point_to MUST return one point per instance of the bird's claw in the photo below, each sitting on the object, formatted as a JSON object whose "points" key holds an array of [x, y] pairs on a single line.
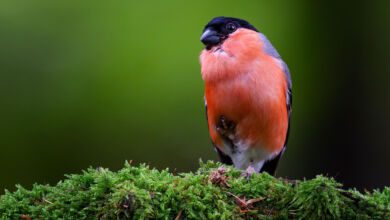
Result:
{"points": [[248, 172]]}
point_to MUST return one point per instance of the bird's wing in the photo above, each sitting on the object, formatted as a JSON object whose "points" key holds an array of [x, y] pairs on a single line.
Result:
{"points": [[270, 165]]}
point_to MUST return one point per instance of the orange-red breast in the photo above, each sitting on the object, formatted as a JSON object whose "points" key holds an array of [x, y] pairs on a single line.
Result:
{"points": [[247, 94]]}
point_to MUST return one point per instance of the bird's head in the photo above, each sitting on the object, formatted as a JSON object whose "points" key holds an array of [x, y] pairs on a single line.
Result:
{"points": [[220, 28], [231, 45]]}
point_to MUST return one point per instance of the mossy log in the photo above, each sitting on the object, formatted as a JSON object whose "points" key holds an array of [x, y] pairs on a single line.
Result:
{"points": [[215, 191]]}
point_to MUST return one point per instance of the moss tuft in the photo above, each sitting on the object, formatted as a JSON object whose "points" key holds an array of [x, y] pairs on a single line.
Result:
{"points": [[140, 192]]}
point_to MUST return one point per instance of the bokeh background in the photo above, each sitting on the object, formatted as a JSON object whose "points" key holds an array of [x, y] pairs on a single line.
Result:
{"points": [[95, 83]]}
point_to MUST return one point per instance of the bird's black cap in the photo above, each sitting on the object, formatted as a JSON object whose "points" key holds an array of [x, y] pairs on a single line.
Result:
{"points": [[219, 28], [219, 22]]}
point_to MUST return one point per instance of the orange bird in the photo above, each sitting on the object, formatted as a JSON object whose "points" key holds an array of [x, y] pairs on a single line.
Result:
{"points": [[248, 94]]}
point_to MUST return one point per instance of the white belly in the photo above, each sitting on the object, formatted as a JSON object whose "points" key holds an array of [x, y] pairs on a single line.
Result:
{"points": [[244, 156]]}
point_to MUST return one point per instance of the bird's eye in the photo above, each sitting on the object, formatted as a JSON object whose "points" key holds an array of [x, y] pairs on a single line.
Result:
{"points": [[231, 27]]}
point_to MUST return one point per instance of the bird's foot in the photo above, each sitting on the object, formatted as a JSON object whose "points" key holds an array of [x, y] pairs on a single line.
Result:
{"points": [[249, 172]]}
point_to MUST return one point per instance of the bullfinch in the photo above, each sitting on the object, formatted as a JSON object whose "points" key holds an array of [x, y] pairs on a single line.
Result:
{"points": [[248, 95]]}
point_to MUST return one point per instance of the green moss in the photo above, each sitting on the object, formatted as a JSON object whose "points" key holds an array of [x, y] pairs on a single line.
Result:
{"points": [[139, 192]]}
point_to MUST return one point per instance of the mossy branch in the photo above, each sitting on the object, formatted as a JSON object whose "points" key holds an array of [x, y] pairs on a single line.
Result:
{"points": [[213, 192]]}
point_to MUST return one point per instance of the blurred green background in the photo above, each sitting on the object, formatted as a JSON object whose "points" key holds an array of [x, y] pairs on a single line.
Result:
{"points": [[96, 83]]}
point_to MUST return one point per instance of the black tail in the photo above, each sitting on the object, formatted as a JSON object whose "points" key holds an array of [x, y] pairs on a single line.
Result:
{"points": [[270, 165]]}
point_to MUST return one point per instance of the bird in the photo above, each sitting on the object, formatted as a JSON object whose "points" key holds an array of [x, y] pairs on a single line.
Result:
{"points": [[247, 94]]}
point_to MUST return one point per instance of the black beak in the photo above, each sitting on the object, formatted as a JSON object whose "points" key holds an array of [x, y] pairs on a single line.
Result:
{"points": [[210, 38]]}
